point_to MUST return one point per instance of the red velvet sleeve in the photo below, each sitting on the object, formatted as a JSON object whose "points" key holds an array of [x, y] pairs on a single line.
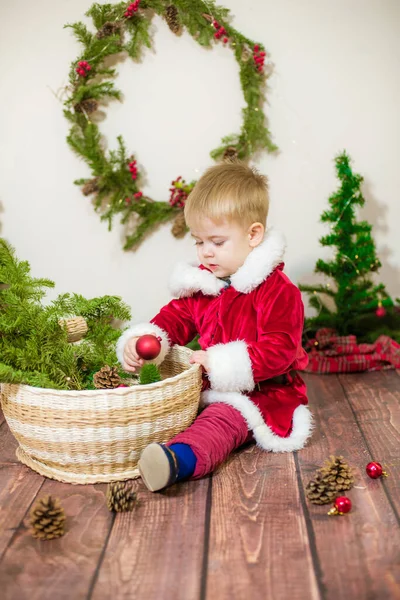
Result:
{"points": [[177, 320]]}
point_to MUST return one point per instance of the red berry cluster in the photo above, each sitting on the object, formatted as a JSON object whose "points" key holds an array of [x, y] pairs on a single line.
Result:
{"points": [[131, 9], [137, 197], [259, 58], [178, 193], [133, 169], [83, 68], [221, 31]]}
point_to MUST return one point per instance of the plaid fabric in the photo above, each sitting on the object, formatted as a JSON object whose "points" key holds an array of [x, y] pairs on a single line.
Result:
{"points": [[332, 353]]}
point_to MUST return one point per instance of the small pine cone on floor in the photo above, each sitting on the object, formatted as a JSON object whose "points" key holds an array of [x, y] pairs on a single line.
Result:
{"points": [[120, 497], [47, 519]]}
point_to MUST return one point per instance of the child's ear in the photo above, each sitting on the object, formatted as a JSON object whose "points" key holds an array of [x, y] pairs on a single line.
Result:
{"points": [[256, 234]]}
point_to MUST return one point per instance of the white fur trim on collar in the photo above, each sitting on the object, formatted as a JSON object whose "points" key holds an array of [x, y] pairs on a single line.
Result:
{"points": [[263, 434], [260, 262], [187, 279]]}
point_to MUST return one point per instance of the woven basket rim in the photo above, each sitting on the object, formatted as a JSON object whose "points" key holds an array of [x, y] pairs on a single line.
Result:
{"points": [[120, 390]]}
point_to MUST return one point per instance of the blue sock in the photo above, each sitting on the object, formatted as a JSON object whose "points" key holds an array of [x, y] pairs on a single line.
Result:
{"points": [[186, 460]]}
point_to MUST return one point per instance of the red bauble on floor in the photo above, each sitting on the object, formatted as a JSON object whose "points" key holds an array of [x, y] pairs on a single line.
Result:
{"points": [[375, 470], [341, 506]]}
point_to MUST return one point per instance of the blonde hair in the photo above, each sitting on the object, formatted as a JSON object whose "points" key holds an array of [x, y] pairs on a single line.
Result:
{"points": [[229, 191]]}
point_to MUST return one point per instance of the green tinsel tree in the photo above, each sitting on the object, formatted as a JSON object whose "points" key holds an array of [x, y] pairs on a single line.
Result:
{"points": [[362, 307], [33, 345]]}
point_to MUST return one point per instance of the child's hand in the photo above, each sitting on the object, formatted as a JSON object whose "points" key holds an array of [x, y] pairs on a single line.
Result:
{"points": [[200, 357], [131, 358]]}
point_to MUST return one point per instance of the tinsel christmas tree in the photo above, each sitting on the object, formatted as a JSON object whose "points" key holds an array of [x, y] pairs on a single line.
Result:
{"points": [[362, 307], [34, 346]]}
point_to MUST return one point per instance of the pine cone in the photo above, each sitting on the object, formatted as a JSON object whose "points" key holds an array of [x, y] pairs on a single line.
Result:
{"points": [[47, 519], [108, 29], [172, 18], [337, 471], [107, 378], [179, 227], [320, 491], [91, 187], [246, 53], [230, 154], [120, 497], [330, 481], [87, 106]]}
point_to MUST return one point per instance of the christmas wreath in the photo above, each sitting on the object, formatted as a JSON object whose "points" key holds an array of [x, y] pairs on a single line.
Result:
{"points": [[125, 28]]}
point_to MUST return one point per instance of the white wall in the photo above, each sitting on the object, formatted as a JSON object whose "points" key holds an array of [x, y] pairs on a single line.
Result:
{"points": [[336, 85]]}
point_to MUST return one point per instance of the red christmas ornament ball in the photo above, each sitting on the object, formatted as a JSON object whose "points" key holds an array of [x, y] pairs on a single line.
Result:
{"points": [[374, 470], [343, 504], [380, 312], [148, 347]]}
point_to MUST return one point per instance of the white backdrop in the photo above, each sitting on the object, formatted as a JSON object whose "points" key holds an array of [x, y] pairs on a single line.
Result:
{"points": [[336, 85]]}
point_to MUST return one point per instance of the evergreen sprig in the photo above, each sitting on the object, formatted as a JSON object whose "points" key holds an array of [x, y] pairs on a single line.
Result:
{"points": [[355, 294], [115, 190], [33, 346]]}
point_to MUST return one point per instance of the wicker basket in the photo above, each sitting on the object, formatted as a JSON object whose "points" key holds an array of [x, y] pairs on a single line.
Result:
{"points": [[93, 436]]}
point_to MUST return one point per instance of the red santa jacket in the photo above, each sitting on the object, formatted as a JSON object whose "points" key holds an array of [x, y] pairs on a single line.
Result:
{"points": [[252, 333]]}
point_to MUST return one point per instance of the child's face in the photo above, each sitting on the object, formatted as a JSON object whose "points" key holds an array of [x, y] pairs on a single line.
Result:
{"points": [[222, 248]]}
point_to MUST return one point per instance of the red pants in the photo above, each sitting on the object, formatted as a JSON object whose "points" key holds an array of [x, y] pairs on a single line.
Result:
{"points": [[218, 430]]}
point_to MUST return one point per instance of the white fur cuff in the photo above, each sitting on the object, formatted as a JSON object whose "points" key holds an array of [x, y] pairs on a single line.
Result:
{"points": [[144, 329], [230, 367], [263, 434]]}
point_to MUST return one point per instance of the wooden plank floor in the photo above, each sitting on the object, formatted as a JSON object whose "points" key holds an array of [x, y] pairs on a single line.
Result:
{"points": [[245, 532]]}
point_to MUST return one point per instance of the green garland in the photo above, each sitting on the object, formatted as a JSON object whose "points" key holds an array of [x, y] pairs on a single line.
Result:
{"points": [[115, 181]]}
